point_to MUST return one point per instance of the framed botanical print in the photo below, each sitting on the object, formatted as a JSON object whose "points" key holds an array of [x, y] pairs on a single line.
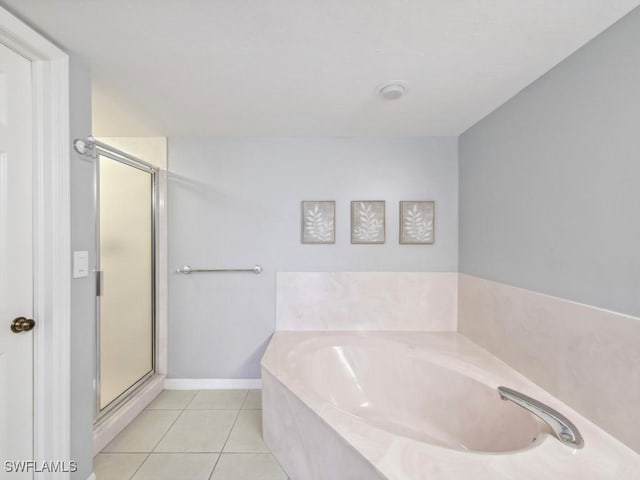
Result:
{"points": [[318, 219], [367, 221], [417, 222]]}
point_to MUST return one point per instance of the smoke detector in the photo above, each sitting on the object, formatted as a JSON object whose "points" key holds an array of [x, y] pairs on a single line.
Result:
{"points": [[392, 91]]}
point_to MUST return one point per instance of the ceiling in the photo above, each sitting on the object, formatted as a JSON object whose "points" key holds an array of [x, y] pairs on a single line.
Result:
{"points": [[311, 67]]}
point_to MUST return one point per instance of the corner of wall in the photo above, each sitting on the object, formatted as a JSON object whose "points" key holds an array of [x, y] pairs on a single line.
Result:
{"points": [[82, 289]]}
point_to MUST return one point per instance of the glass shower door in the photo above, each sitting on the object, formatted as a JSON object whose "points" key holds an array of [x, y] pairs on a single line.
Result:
{"points": [[126, 279]]}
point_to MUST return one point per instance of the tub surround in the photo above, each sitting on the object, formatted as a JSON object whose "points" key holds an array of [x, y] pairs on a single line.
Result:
{"points": [[580, 358], [415, 301], [305, 421], [584, 355]]}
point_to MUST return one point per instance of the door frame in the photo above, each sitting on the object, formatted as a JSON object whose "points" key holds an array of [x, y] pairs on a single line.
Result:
{"points": [[51, 235]]}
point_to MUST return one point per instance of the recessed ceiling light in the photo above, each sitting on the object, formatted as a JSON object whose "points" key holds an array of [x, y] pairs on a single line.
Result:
{"points": [[392, 91]]}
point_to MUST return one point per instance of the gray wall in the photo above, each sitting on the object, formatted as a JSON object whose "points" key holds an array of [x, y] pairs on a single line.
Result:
{"points": [[549, 183], [82, 289], [236, 202]]}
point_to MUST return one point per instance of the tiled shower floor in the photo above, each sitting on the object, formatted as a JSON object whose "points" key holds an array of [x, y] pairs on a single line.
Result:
{"points": [[188, 434]]}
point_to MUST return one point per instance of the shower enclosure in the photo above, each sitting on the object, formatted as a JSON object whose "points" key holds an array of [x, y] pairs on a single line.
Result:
{"points": [[125, 340]]}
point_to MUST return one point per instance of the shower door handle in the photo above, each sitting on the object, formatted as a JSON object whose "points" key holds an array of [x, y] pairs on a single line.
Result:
{"points": [[99, 283]]}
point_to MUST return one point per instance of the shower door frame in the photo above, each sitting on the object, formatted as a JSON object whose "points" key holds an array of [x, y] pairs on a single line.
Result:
{"points": [[122, 157]]}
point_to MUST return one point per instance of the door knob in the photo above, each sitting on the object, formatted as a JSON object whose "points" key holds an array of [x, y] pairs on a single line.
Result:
{"points": [[22, 324]]}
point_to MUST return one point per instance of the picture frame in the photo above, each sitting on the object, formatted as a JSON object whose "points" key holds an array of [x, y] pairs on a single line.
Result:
{"points": [[417, 222], [318, 222], [368, 222]]}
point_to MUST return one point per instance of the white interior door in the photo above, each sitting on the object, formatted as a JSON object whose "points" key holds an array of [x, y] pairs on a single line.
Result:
{"points": [[16, 263]]}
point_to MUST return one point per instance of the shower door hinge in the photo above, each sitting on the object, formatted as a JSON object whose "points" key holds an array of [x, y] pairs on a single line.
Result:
{"points": [[99, 282]]}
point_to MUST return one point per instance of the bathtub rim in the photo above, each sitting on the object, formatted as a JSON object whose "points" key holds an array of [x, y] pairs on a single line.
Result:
{"points": [[601, 449]]}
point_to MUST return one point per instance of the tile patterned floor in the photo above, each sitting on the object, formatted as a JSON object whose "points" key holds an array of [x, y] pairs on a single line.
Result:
{"points": [[199, 435]]}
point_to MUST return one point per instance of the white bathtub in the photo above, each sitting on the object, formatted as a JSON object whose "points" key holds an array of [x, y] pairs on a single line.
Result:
{"points": [[360, 406]]}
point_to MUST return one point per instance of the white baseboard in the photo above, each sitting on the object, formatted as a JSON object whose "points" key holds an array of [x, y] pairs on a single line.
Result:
{"points": [[107, 429], [211, 383]]}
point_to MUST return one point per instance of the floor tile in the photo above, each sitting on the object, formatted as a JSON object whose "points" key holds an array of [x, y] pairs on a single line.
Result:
{"points": [[117, 466], [246, 436], [198, 431], [248, 466], [172, 400], [253, 400], [144, 432], [177, 466], [218, 400]]}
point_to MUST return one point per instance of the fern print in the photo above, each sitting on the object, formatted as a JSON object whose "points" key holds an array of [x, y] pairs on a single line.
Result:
{"points": [[318, 222], [367, 222], [417, 223]]}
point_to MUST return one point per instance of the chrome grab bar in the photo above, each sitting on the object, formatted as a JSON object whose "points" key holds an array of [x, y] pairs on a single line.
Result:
{"points": [[187, 270], [562, 428]]}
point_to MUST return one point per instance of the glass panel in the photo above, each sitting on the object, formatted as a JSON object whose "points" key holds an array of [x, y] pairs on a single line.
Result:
{"points": [[126, 260]]}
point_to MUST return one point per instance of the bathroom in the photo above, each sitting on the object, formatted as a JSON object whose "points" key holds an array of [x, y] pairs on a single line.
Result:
{"points": [[389, 240]]}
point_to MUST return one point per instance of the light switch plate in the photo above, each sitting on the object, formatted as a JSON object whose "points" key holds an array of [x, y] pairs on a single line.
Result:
{"points": [[80, 264]]}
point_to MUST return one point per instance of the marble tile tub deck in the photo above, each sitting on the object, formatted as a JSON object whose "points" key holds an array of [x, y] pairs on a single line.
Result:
{"points": [[192, 435]]}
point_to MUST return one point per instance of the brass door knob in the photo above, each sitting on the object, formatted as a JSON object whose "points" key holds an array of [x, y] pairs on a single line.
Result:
{"points": [[22, 324]]}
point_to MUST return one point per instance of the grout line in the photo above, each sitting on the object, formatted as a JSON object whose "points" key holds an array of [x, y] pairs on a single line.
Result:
{"points": [[214, 466], [140, 466], [244, 401], [129, 424], [235, 421], [165, 433], [229, 435], [192, 399], [248, 453]]}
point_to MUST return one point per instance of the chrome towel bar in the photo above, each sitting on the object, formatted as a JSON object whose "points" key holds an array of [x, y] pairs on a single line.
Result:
{"points": [[187, 270]]}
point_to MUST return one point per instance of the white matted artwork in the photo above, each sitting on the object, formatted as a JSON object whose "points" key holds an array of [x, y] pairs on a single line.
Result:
{"points": [[417, 222], [318, 221], [367, 221]]}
